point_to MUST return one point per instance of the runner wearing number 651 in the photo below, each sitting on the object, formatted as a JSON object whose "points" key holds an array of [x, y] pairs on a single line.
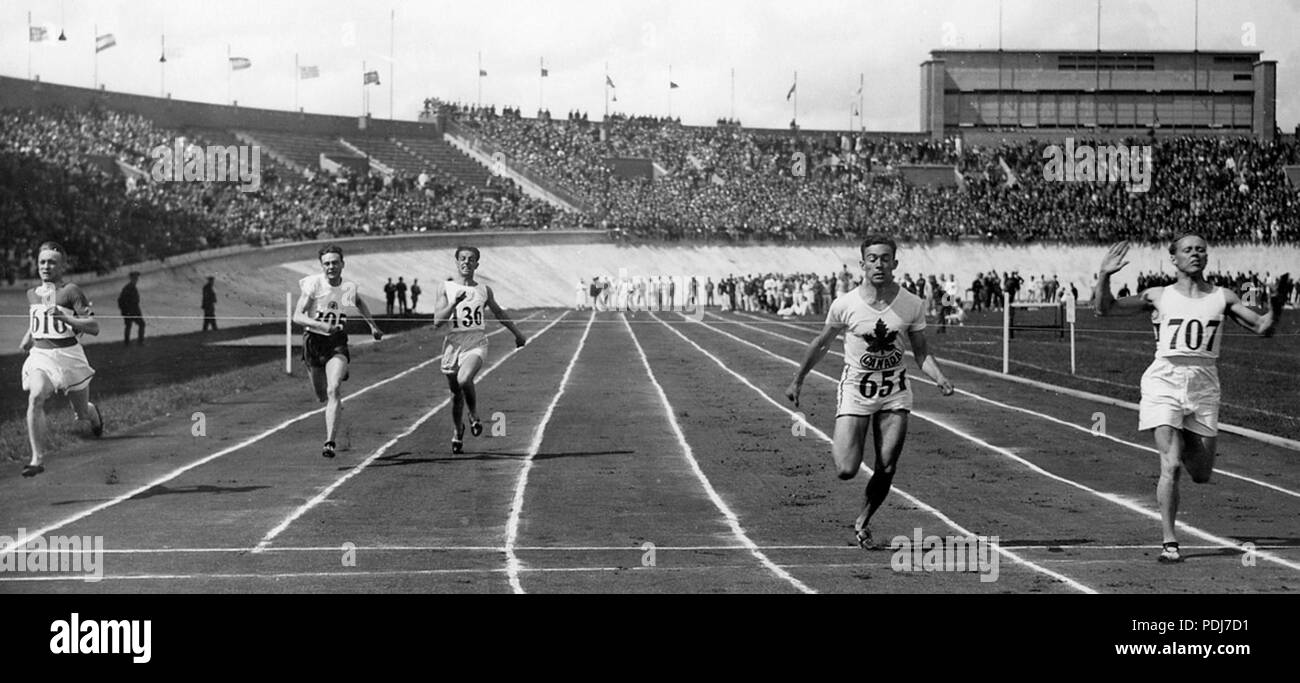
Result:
{"points": [[464, 349], [1180, 390], [874, 388]]}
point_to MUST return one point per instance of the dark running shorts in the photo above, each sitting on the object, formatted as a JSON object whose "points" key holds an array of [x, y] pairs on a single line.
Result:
{"points": [[318, 349]]}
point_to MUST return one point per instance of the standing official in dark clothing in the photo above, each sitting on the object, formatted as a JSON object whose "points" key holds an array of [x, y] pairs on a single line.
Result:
{"points": [[128, 302], [209, 306]]}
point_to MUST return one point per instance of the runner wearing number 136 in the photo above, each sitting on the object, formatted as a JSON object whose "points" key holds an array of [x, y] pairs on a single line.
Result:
{"points": [[874, 388], [1180, 390], [464, 349]]}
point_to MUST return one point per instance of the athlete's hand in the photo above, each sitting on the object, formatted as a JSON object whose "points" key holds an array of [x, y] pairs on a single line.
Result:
{"points": [[792, 391], [26, 345], [1114, 258], [334, 329], [945, 388], [460, 297], [58, 314], [374, 332], [520, 341]]}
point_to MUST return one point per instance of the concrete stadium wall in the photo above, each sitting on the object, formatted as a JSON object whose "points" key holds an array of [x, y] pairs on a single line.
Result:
{"points": [[542, 270]]}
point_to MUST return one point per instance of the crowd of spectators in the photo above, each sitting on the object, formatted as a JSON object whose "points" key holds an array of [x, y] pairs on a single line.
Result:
{"points": [[728, 183], [81, 177]]}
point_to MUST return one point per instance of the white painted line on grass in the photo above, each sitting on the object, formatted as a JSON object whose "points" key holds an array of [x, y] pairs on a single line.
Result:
{"points": [[1114, 498], [1271, 439], [513, 566], [207, 459], [325, 493], [1049, 418]]}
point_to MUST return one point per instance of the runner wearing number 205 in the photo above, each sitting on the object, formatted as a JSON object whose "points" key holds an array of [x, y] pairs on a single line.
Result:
{"points": [[874, 388], [464, 349]]}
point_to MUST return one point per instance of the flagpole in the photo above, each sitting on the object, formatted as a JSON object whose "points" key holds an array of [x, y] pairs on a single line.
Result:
{"points": [[229, 68], [862, 119], [606, 91], [162, 66], [29, 45], [297, 75], [365, 93], [392, 32], [733, 93], [796, 100], [670, 91], [541, 68], [480, 79], [94, 41]]}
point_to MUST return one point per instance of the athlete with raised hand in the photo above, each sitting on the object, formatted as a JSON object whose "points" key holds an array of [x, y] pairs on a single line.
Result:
{"points": [[1180, 389]]}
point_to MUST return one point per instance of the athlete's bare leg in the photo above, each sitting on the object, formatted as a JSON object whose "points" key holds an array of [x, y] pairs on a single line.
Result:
{"points": [[888, 436], [468, 371], [335, 369], [318, 382], [82, 406], [1169, 442], [457, 405], [848, 443], [37, 423]]}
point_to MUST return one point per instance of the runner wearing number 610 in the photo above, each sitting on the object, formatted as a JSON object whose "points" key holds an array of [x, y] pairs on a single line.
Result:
{"points": [[464, 349], [1180, 390], [874, 388]]}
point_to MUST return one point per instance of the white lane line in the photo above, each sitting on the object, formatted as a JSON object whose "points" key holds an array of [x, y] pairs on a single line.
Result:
{"points": [[1054, 420], [1263, 437], [513, 565], [847, 547], [911, 498], [1111, 497], [325, 493], [205, 460]]}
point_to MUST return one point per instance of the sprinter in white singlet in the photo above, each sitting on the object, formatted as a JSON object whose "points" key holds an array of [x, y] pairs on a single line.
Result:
{"points": [[874, 389], [57, 314], [323, 304], [1180, 390], [464, 303]]}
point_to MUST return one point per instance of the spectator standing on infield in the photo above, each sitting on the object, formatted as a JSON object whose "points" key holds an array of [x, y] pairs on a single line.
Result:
{"points": [[209, 305], [128, 302]]}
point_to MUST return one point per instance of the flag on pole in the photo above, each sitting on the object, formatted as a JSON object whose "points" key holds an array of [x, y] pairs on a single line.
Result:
{"points": [[104, 42], [237, 63], [609, 81], [791, 92], [482, 72], [672, 86], [370, 77], [38, 33], [545, 72], [305, 72]]}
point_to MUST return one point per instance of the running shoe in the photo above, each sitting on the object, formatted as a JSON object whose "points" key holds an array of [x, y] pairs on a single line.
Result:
{"points": [[1169, 554], [476, 427], [328, 450]]}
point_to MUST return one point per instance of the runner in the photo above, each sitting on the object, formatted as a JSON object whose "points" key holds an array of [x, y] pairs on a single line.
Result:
{"points": [[873, 388], [58, 313], [464, 349], [321, 310]]}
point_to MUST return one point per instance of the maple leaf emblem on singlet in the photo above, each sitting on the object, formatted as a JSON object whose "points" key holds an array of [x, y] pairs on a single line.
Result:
{"points": [[881, 340], [882, 352]]}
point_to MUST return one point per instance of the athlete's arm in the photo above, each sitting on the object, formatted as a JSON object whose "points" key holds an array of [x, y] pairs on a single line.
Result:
{"points": [[300, 316], [1241, 314], [1104, 303], [812, 356], [520, 339], [26, 344], [364, 310], [927, 362], [445, 308], [83, 321]]}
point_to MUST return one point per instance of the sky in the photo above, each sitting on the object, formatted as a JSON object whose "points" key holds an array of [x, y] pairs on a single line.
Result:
{"points": [[433, 48]]}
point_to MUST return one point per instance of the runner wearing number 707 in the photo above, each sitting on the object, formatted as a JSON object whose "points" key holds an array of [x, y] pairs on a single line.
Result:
{"points": [[464, 349], [874, 389], [1180, 390]]}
